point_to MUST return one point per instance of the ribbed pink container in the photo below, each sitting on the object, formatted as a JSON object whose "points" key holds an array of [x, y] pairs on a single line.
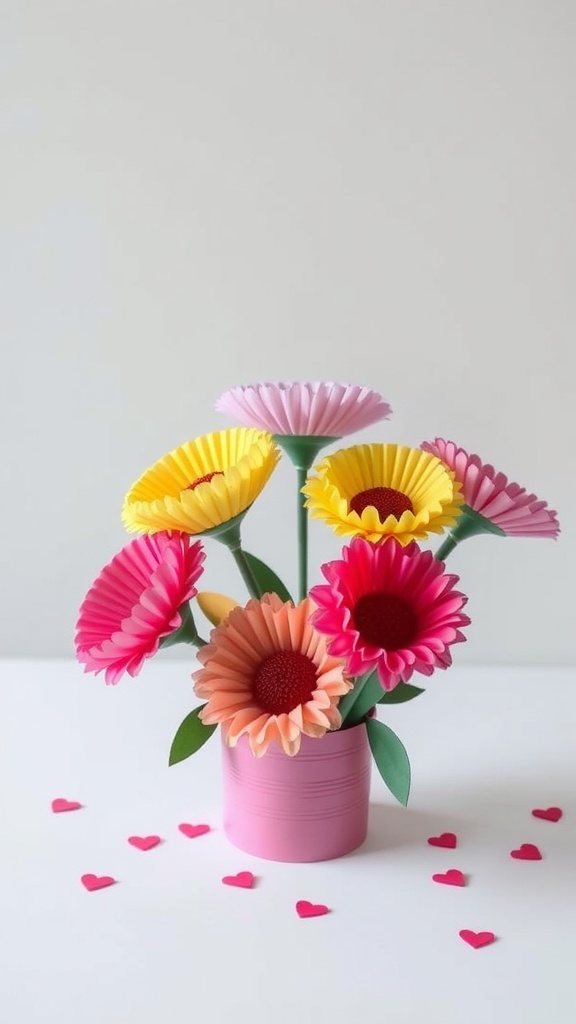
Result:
{"points": [[313, 806]]}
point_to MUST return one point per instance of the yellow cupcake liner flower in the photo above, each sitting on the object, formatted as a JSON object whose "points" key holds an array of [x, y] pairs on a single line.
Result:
{"points": [[381, 490], [203, 483]]}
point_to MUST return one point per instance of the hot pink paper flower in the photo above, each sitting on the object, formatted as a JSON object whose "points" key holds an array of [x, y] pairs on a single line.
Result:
{"points": [[267, 674], [389, 608], [135, 602], [318, 408], [490, 494]]}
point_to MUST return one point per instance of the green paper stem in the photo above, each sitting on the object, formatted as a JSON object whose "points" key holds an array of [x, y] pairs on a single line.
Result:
{"points": [[186, 632], [245, 570], [302, 449], [358, 702], [469, 524], [302, 521]]}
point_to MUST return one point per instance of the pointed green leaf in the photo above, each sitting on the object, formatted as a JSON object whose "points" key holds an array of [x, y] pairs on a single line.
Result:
{"points": [[400, 694], [391, 759], [356, 704], [267, 580], [190, 736]]}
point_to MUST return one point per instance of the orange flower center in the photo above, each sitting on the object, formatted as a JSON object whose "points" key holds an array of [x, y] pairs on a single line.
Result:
{"points": [[386, 500], [284, 680], [386, 621], [203, 479]]}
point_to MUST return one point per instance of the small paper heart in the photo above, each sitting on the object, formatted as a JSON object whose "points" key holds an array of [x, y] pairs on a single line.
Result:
{"points": [[193, 831], [526, 852], [548, 813], [243, 880], [144, 842], [477, 939], [93, 882], [306, 909], [447, 840], [60, 804], [452, 877]]}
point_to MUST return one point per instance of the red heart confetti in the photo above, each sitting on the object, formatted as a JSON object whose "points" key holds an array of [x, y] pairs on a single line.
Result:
{"points": [[548, 813], [60, 804], [452, 877], [477, 939], [243, 880], [93, 882], [144, 842], [447, 840], [306, 909], [526, 852], [193, 831]]}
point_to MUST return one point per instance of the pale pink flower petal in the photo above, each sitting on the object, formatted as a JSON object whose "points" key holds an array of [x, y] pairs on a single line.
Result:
{"points": [[316, 408], [505, 504], [135, 602]]}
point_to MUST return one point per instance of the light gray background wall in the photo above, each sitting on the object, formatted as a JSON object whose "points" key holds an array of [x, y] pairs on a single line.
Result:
{"points": [[197, 194]]}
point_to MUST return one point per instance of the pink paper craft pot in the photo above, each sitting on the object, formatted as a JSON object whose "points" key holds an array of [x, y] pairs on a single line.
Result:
{"points": [[313, 806]]}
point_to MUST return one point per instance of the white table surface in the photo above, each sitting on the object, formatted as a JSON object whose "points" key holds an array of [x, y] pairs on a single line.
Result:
{"points": [[171, 943]]}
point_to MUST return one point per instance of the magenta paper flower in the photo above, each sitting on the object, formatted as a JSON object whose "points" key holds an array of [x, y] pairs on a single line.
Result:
{"points": [[389, 608], [506, 505], [135, 602], [319, 408]]}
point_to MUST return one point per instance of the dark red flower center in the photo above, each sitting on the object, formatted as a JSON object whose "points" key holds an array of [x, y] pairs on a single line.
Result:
{"points": [[386, 621], [386, 500], [203, 479], [284, 680]]}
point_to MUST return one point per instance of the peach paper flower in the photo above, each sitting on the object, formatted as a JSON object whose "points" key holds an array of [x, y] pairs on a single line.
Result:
{"points": [[267, 674]]}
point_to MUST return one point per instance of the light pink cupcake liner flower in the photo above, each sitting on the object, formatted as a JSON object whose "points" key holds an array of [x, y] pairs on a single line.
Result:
{"points": [[315, 408], [135, 602], [267, 674], [506, 505], [389, 608]]}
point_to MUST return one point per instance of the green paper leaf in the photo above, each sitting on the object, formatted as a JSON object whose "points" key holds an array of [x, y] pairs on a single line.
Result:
{"points": [[356, 704], [391, 759], [190, 736], [267, 580], [400, 694]]}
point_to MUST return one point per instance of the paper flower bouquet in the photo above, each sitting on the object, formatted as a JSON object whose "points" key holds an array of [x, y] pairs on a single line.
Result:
{"points": [[299, 686]]}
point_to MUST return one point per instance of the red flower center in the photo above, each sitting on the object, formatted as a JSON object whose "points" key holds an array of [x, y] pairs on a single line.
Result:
{"points": [[203, 480], [386, 621], [386, 500], [284, 680]]}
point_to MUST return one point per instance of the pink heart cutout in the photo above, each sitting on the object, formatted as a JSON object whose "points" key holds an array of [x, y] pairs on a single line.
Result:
{"points": [[447, 840], [93, 882], [192, 831], [548, 813], [60, 804], [306, 909], [526, 852], [452, 877], [243, 880], [477, 939], [144, 842]]}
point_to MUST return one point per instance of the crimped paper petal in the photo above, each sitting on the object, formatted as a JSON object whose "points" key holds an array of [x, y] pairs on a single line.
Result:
{"points": [[490, 493], [321, 408], [162, 499], [435, 496], [135, 602], [230, 661]]}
